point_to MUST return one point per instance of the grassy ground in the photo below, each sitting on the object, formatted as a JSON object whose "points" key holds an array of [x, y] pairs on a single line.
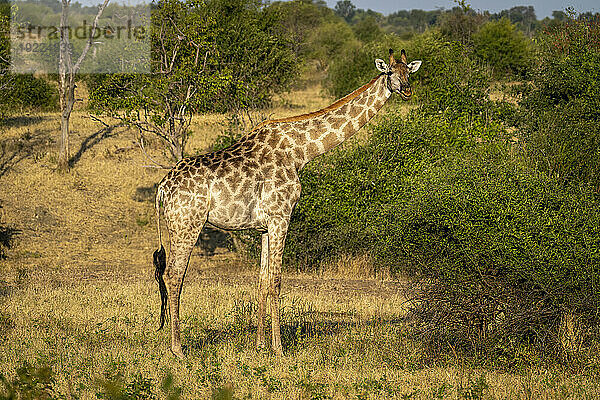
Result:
{"points": [[77, 294]]}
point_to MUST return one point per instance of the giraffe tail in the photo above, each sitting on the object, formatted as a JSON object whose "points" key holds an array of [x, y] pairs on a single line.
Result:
{"points": [[160, 264]]}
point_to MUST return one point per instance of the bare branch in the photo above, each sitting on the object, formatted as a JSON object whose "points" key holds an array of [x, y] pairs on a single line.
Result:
{"points": [[90, 39], [156, 164]]}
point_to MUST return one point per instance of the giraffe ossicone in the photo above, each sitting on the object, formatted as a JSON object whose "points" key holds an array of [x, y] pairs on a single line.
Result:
{"points": [[254, 184]]}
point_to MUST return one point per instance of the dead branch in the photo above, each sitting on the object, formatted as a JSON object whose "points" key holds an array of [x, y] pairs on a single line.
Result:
{"points": [[155, 164], [95, 118]]}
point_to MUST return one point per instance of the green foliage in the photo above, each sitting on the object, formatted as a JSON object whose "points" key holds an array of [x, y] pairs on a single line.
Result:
{"points": [[449, 81], [252, 48], [137, 388], [213, 55], [299, 22], [331, 41], [493, 238], [345, 9], [505, 48], [460, 23], [561, 117], [27, 91], [522, 16], [440, 195], [18, 92], [367, 30], [29, 383]]}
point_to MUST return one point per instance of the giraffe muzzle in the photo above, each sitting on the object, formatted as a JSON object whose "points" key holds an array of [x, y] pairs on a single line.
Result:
{"points": [[405, 93]]}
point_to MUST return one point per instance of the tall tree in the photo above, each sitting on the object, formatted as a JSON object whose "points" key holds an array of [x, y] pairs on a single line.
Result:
{"points": [[67, 72], [207, 55], [163, 102], [345, 9]]}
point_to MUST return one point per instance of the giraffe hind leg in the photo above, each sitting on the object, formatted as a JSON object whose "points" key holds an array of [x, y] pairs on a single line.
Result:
{"points": [[277, 233]]}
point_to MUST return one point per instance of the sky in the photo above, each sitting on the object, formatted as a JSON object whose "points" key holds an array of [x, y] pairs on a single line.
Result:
{"points": [[543, 8]]}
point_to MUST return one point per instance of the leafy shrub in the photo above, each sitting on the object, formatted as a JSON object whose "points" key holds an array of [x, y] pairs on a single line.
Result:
{"points": [[329, 41], [367, 29], [501, 252], [504, 47], [19, 91], [504, 253], [449, 81], [251, 48], [460, 23], [238, 40], [27, 91], [308, 26], [345, 191], [561, 108], [29, 383]]}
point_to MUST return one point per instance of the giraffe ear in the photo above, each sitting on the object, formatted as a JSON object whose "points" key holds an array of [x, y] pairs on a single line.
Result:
{"points": [[414, 66], [381, 65]]}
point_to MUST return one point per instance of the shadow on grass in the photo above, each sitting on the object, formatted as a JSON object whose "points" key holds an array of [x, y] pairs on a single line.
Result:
{"points": [[23, 120], [293, 332], [145, 193], [15, 150], [7, 236], [92, 140], [211, 239]]}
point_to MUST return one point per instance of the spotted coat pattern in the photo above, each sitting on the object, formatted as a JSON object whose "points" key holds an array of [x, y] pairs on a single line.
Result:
{"points": [[254, 184]]}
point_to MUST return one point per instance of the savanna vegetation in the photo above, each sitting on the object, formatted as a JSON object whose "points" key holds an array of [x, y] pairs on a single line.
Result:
{"points": [[450, 250]]}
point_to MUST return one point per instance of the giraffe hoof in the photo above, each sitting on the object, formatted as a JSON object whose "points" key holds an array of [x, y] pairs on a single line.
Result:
{"points": [[178, 353], [278, 352]]}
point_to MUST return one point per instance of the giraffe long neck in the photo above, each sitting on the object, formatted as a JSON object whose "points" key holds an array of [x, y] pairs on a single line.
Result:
{"points": [[316, 133]]}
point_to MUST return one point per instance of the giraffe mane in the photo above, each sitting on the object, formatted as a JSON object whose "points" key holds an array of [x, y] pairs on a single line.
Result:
{"points": [[335, 105]]}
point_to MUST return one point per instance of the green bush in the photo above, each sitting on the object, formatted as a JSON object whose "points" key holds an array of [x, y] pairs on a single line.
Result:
{"points": [[501, 252], [449, 81], [561, 108], [252, 48], [329, 41], [344, 191], [504, 254], [27, 91], [18, 92], [505, 48], [460, 23], [245, 59]]}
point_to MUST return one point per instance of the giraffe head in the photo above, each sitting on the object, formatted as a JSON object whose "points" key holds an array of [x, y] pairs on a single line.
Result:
{"points": [[398, 72]]}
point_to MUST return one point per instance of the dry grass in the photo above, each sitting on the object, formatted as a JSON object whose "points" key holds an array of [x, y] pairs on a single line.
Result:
{"points": [[76, 292], [337, 346]]}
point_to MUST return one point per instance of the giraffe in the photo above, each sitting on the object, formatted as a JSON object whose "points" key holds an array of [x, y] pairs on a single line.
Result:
{"points": [[254, 184]]}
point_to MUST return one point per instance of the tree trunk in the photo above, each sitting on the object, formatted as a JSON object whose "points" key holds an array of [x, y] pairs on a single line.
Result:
{"points": [[67, 101], [63, 155], [66, 75]]}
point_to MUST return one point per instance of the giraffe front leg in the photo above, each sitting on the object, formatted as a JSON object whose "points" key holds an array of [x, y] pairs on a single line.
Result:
{"points": [[277, 234], [263, 290]]}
